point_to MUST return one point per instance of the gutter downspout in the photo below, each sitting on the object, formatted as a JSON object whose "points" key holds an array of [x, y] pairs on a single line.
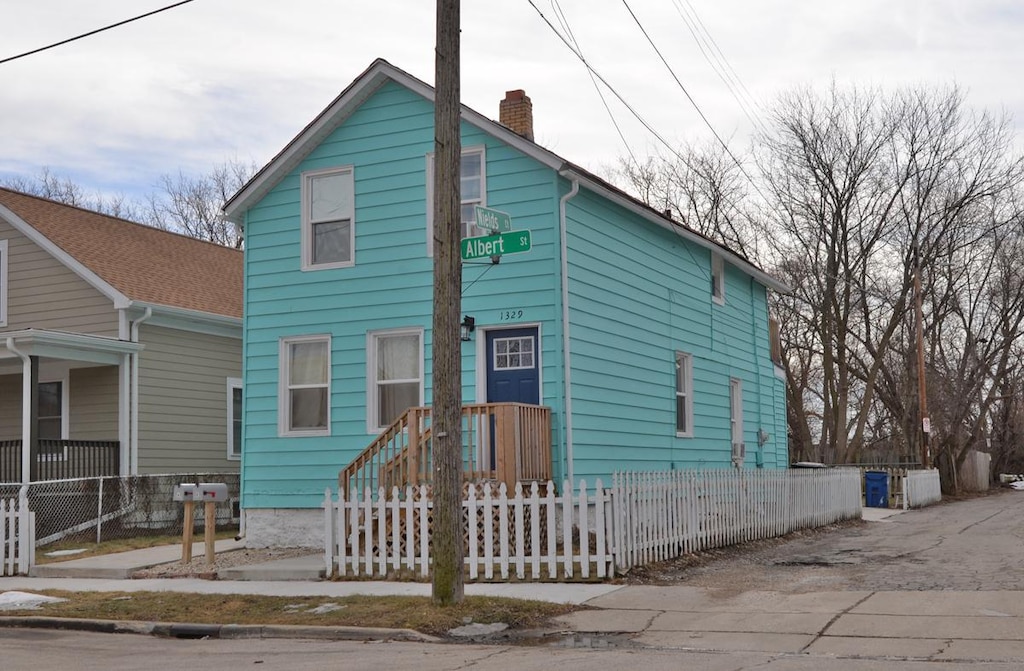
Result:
{"points": [[567, 366], [133, 415], [26, 410]]}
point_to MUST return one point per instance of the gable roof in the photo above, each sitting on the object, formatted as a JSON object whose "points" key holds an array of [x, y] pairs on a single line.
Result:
{"points": [[380, 72], [130, 262]]}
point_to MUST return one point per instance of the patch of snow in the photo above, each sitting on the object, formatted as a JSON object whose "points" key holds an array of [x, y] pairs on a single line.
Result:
{"points": [[25, 600], [64, 553], [478, 629]]}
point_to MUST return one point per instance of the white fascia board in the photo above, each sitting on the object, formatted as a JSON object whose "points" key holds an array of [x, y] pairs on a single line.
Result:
{"points": [[119, 300], [196, 321], [70, 346], [625, 201]]}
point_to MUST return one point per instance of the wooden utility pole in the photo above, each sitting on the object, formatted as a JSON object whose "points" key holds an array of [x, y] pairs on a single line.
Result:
{"points": [[446, 353], [922, 395]]}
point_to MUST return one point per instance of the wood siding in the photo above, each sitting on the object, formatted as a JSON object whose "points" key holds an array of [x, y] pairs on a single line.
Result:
{"points": [[390, 286], [94, 403], [183, 400], [638, 294], [45, 294]]}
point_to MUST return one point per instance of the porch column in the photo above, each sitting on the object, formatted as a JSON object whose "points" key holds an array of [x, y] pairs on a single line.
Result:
{"points": [[32, 433]]}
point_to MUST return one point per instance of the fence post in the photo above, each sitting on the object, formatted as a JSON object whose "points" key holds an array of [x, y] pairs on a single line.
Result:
{"points": [[99, 514], [26, 534]]}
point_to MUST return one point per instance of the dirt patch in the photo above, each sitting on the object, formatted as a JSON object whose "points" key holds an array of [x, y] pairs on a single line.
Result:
{"points": [[198, 568]]}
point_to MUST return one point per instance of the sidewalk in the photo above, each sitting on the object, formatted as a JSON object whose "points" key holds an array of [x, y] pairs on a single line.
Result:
{"points": [[894, 625]]}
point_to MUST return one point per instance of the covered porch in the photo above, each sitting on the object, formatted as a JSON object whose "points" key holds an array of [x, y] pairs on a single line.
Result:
{"points": [[501, 442], [64, 405]]}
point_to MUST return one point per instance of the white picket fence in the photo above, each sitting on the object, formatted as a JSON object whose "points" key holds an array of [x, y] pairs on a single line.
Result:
{"points": [[921, 488], [662, 515], [642, 518], [17, 536], [536, 536]]}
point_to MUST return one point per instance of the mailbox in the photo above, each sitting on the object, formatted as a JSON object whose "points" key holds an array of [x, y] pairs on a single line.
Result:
{"points": [[185, 492], [212, 491]]}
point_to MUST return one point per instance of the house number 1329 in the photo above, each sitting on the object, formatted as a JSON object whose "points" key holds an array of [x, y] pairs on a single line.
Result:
{"points": [[509, 315]]}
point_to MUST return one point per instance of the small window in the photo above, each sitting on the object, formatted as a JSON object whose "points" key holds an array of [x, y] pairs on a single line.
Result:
{"points": [[717, 278], [396, 376], [514, 353], [234, 406], [305, 386], [328, 219], [3, 283], [472, 191], [684, 395], [736, 420], [52, 424]]}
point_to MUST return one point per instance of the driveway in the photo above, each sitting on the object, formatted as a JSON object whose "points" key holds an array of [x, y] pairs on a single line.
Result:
{"points": [[968, 545]]}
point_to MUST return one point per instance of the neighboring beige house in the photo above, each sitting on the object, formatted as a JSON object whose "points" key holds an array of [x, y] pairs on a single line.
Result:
{"points": [[120, 346]]}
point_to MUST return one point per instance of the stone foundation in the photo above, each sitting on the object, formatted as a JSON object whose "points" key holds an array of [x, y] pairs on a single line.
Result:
{"points": [[284, 527]]}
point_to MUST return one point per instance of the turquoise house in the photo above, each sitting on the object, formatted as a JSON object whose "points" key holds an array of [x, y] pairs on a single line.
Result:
{"points": [[645, 345]]}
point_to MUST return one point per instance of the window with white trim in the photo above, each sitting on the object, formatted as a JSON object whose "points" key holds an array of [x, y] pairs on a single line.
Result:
{"points": [[717, 278], [736, 421], [684, 395], [3, 283], [328, 219], [53, 419], [305, 386], [472, 191], [234, 407], [395, 362]]}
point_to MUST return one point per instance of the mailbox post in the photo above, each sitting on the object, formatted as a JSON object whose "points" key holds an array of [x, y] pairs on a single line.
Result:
{"points": [[211, 493], [186, 493]]}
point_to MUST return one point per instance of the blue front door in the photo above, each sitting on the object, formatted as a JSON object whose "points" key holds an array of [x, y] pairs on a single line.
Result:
{"points": [[513, 372]]}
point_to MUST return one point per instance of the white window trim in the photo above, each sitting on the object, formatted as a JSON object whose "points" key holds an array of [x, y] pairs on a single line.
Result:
{"points": [[474, 149], [307, 225], [4, 291], [717, 270], [735, 410], [683, 357], [234, 383], [371, 372], [283, 397], [494, 353], [65, 416]]}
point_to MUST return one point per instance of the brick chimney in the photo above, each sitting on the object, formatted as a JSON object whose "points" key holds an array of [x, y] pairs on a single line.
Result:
{"points": [[516, 113]]}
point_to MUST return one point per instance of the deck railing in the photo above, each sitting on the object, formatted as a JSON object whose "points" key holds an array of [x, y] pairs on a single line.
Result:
{"points": [[504, 442], [61, 459]]}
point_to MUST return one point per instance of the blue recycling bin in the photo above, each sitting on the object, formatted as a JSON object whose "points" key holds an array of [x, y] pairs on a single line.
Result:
{"points": [[876, 489]]}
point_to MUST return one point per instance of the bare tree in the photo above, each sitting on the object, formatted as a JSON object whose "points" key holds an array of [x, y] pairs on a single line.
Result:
{"points": [[192, 204], [62, 189]]}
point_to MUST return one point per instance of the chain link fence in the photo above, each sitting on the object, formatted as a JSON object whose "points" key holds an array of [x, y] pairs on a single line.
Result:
{"points": [[118, 507]]}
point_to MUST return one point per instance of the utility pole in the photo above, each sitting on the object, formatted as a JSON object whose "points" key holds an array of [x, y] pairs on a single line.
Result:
{"points": [[922, 396], [446, 352]]}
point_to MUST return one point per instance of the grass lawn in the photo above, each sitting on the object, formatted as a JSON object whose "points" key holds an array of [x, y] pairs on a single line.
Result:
{"points": [[404, 612], [120, 545]]}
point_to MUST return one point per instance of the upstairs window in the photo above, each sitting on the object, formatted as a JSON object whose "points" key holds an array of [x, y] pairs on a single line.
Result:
{"points": [[472, 191], [328, 219], [717, 279]]}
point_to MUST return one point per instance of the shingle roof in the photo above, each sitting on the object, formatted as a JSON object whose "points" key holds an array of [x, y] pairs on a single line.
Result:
{"points": [[143, 263]]}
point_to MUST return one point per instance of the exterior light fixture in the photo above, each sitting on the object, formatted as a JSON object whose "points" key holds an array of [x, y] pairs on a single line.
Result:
{"points": [[466, 328]]}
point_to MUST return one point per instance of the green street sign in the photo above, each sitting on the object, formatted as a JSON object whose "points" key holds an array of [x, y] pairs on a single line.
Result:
{"points": [[512, 242], [493, 220]]}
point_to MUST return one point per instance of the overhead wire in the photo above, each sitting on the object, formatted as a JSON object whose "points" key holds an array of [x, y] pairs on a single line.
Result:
{"points": [[712, 53], [93, 32], [564, 21]]}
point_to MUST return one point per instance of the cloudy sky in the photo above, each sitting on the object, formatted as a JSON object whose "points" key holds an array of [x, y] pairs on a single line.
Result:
{"points": [[215, 80]]}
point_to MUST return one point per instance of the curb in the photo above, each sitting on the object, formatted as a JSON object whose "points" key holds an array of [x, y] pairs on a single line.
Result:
{"points": [[194, 630]]}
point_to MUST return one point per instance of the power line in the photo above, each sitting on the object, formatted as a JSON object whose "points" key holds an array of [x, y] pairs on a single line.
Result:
{"points": [[690, 98], [564, 21], [94, 32]]}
